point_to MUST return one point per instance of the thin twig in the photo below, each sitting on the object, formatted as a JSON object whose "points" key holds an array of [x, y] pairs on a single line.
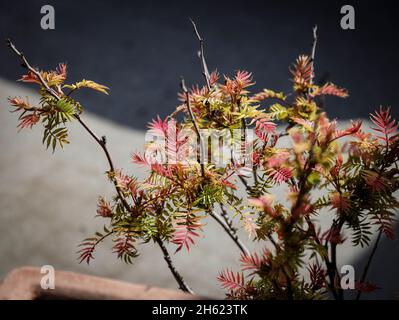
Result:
{"points": [[232, 235], [201, 158], [102, 143], [25, 64], [313, 54], [330, 267], [243, 132], [338, 228], [227, 219], [182, 284], [242, 179], [244, 182], [201, 55], [255, 175], [233, 231], [367, 267]]}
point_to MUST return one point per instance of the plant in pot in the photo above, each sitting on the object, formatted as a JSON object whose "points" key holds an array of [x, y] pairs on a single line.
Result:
{"points": [[222, 140]]}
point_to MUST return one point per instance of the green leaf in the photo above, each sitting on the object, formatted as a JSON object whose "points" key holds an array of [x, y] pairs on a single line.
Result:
{"points": [[277, 111], [314, 178]]}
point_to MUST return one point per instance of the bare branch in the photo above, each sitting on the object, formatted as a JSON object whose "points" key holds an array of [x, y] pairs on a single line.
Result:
{"points": [[227, 219], [368, 264], [232, 235], [314, 47], [102, 143], [182, 284], [233, 230], [201, 55], [25, 64]]}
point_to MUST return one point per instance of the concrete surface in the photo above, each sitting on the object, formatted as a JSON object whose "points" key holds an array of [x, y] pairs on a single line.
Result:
{"points": [[48, 204]]}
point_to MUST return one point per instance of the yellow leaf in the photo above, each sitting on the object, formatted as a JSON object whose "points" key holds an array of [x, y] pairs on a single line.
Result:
{"points": [[88, 84]]}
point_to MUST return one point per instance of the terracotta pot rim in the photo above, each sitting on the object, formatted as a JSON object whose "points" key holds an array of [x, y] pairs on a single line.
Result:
{"points": [[24, 284]]}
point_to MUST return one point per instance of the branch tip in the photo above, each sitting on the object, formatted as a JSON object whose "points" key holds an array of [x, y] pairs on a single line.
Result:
{"points": [[196, 30], [183, 84]]}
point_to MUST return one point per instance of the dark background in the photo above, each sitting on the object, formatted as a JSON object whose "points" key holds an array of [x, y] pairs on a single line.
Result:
{"points": [[140, 49]]}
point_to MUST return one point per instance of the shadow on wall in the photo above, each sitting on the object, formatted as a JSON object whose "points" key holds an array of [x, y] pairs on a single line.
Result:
{"points": [[141, 50], [383, 271]]}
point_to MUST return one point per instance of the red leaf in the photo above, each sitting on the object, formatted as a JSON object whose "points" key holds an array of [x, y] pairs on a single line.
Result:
{"points": [[104, 208], [385, 222], [89, 245], [337, 167], [375, 181], [228, 184], [302, 72], [164, 171], [185, 231], [366, 287], [28, 121], [279, 175], [214, 77], [349, 131], [385, 124], [339, 202], [140, 160], [158, 127], [86, 253], [243, 79], [231, 281], [265, 202], [264, 128], [125, 249], [317, 276], [254, 261], [62, 70], [30, 77], [330, 89], [19, 103]]}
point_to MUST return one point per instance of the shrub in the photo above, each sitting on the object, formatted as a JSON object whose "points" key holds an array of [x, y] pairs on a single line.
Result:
{"points": [[357, 177]]}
